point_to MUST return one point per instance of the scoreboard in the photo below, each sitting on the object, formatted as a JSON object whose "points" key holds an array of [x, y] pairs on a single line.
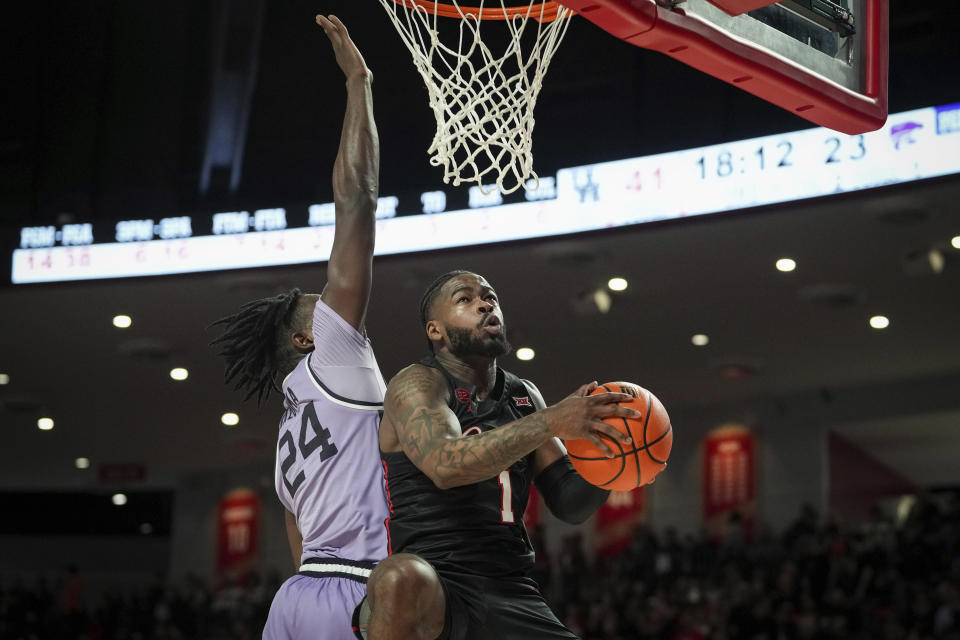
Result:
{"points": [[913, 145]]}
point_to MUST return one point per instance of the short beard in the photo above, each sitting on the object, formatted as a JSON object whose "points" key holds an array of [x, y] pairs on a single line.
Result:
{"points": [[463, 343]]}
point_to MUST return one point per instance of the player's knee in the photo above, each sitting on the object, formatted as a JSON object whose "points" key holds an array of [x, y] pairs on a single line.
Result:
{"points": [[404, 594], [405, 579]]}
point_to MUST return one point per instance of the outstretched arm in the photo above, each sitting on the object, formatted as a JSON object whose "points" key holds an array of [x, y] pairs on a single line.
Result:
{"points": [[355, 185], [418, 421]]}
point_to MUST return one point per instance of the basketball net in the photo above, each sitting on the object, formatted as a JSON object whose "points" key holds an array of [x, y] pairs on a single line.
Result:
{"points": [[482, 101]]}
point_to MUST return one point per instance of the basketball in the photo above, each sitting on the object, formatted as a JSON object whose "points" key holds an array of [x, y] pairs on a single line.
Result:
{"points": [[635, 464]]}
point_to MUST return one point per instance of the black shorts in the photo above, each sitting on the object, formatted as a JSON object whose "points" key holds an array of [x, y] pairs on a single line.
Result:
{"points": [[497, 609]]}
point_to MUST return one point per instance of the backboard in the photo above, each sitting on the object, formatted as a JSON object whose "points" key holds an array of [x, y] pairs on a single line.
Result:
{"points": [[825, 60]]}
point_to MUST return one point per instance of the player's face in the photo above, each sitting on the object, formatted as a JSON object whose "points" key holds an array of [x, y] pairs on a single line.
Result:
{"points": [[472, 318]]}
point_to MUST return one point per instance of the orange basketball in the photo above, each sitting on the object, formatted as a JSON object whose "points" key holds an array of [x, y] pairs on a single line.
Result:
{"points": [[634, 464]]}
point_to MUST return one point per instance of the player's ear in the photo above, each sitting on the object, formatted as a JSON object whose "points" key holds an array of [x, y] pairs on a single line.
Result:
{"points": [[434, 333], [302, 341]]}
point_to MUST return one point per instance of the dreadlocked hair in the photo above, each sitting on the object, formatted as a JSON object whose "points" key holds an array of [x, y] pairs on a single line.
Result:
{"points": [[255, 346], [431, 294]]}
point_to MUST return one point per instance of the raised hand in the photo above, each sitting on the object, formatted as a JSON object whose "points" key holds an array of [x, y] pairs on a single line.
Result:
{"points": [[580, 416], [348, 56]]}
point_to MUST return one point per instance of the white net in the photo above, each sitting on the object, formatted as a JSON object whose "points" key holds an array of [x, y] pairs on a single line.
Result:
{"points": [[483, 101]]}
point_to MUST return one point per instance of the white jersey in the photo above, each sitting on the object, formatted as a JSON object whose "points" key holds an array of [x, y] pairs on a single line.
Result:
{"points": [[328, 471]]}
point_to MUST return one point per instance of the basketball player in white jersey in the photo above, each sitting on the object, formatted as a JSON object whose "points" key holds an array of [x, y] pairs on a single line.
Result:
{"points": [[328, 471]]}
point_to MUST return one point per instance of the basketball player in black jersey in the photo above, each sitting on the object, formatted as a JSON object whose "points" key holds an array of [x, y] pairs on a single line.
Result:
{"points": [[461, 440]]}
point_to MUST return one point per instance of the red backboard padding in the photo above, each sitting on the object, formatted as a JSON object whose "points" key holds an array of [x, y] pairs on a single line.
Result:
{"points": [[704, 46], [736, 7]]}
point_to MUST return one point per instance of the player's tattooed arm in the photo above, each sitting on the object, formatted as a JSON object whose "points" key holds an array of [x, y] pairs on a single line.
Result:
{"points": [[429, 432]]}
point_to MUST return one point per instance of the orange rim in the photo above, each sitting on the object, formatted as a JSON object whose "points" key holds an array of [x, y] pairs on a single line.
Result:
{"points": [[541, 11]]}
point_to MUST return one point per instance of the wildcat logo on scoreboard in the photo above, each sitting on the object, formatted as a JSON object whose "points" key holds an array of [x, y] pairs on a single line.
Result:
{"points": [[904, 134]]}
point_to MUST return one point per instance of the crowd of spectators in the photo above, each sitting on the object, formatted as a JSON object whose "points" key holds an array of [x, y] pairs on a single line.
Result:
{"points": [[814, 581], [187, 610]]}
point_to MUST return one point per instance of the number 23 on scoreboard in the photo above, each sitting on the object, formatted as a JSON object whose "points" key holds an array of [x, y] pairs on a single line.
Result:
{"points": [[784, 154]]}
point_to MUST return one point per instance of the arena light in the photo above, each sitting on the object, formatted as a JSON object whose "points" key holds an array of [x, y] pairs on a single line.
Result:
{"points": [[700, 340], [82, 463], [230, 419], [602, 300], [618, 284], [122, 321], [4, 379], [786, 265], [526, 353], [955, 242], [45, 424], [119, 499], [179, 374], [879, 322]]}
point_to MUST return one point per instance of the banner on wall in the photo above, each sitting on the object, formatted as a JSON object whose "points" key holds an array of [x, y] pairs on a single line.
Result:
{"points": [[615, 521], [531, 517], [729, 482], [238, 520]]}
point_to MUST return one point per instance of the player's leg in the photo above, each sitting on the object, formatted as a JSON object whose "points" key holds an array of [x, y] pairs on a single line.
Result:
{"points": [[517, 611], [308, 607], [406, 600]]}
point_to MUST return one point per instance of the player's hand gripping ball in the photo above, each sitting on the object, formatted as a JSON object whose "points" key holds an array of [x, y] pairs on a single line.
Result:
{"points": [[637, 463]]}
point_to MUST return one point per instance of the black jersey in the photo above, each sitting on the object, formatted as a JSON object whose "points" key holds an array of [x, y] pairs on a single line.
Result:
{"points": [[477, 528]]}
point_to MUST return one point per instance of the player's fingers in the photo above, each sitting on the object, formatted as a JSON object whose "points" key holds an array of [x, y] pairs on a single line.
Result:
{"points": [[583, 390], [610, 397], [598, 442], [611, 432], [333, 32], [340, 26], [616, 411]]}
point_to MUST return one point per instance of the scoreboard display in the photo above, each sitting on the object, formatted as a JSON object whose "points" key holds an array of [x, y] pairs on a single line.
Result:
{"points": [[913, 145]]}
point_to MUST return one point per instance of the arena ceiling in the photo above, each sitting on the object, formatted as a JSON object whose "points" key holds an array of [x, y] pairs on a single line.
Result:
{"points": [[101, 146]]}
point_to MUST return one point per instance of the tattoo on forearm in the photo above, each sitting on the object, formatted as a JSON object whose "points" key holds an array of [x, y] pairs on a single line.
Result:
{"points": [[483, 456], [428, 439]]}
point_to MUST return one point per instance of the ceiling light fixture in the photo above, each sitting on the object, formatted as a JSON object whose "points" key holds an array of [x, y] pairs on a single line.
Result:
{"points": [[879, 322], [700, 340], [617, 284], [119, 499], [45, 424], [179, 373], [603, 301], [526, 353], [4, 379], [82, 463], [955, 242], [230, 419], [786, 265], [122, 321]]}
